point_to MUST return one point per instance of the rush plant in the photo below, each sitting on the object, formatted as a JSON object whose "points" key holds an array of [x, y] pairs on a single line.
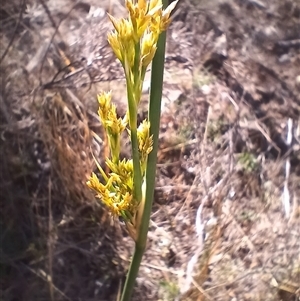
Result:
{"points": [[127, 190]]}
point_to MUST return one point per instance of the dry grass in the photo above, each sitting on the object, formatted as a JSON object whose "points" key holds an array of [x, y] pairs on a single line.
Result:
{"points": [[218, 229], [48, 136], [64, 130]]}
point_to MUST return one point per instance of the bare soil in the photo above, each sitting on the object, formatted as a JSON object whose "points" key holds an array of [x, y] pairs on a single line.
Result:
{"points": [[226, 217]]}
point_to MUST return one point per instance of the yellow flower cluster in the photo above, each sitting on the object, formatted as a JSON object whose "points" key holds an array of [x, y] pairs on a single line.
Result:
{"points": [[134, 39], [134, 42], [113, 125], [145, 143], [117, 192]]}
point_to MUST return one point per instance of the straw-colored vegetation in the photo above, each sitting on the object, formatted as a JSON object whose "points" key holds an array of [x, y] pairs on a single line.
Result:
{"points": [[225, 221]]}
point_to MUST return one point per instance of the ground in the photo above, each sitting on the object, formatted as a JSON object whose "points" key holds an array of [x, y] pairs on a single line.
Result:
{"points": [[226, 217]]}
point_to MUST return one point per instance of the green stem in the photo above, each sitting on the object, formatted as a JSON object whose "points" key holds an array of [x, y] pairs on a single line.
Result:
{"points": [[136, 72], [132, 273], [137, 174], [154, 118]]}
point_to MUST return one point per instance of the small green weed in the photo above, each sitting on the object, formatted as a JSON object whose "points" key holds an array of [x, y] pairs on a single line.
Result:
{"points": [[216, 128], [248, 162], [202, 77], [168, 290]]}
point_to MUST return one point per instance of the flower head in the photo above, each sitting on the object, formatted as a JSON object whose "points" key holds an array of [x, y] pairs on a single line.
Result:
{"points": [[134, 42], [145, 18], [148, 47], [113, 125], [116, 193]]}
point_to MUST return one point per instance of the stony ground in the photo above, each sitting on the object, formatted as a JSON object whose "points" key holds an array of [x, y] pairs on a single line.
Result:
{"points": [[226, 218]]}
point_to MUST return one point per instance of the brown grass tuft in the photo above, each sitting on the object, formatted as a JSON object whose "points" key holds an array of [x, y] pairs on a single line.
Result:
{"points": [[65, 132]]}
